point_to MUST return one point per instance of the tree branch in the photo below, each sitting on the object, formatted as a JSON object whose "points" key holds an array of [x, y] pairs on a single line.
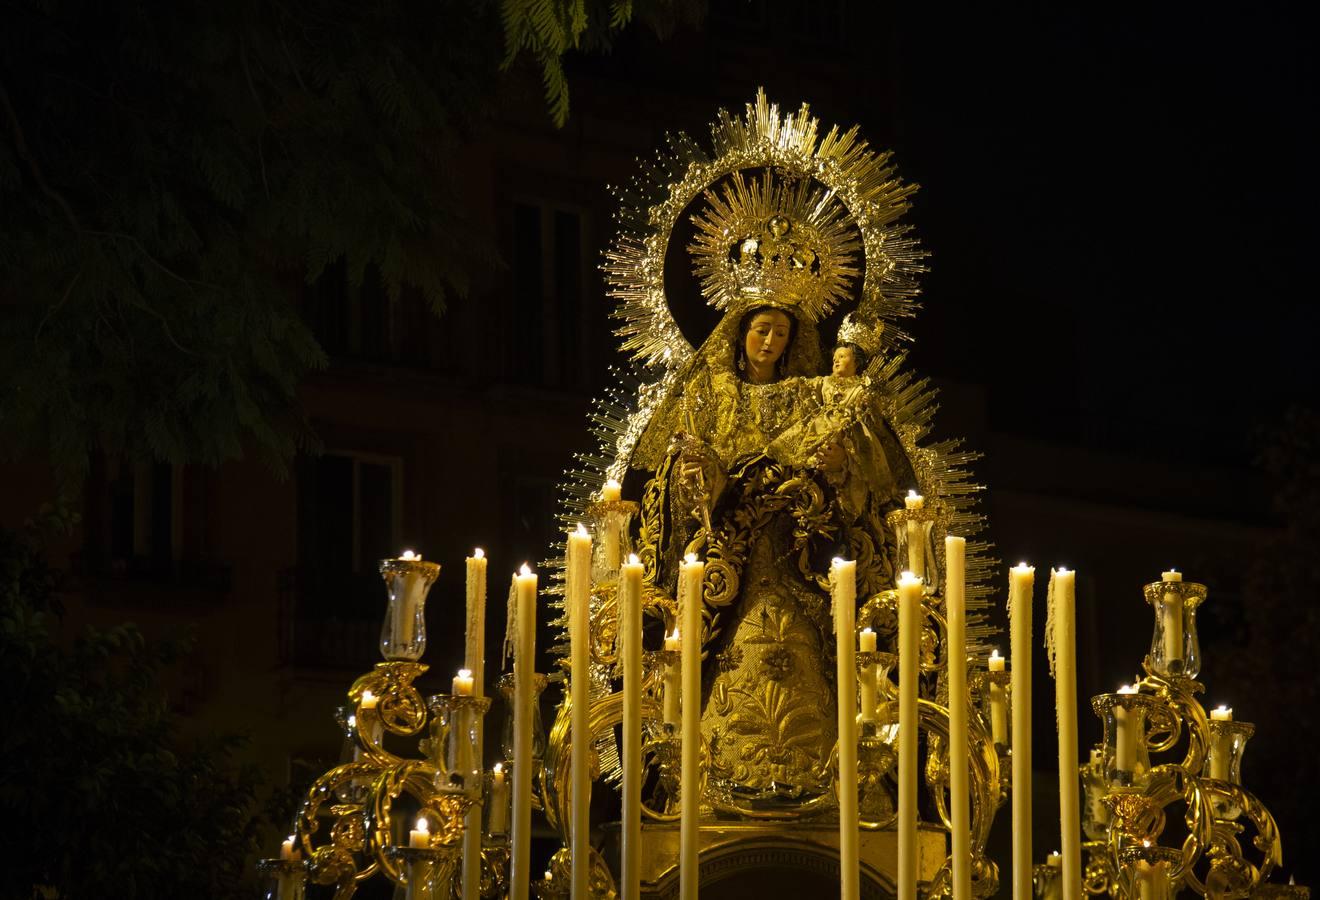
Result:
{"points": [[20, 143]]}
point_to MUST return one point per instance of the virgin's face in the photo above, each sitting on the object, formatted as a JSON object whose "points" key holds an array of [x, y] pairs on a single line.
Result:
{"points": [[767, 337]]}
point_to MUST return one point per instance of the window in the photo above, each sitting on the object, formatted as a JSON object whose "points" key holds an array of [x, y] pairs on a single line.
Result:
{"points": [[549, 268], [363, 321], [145, 518], [349, 518]]}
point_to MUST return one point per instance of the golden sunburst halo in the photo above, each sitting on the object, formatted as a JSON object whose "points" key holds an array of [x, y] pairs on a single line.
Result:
{"points": [[839, 167]]}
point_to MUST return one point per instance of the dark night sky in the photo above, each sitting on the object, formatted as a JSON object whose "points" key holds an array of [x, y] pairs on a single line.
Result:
{"points": [[1133, 191], [1119, 203]]}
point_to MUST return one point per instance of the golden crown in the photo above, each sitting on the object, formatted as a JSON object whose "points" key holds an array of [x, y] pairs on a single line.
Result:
{"points": [[765, 240]]}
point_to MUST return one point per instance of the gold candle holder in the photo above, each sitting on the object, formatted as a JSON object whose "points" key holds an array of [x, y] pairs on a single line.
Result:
{"points": [[1175, 649], [284, 879], [408, 579], [1146, 871], [455, 742]]}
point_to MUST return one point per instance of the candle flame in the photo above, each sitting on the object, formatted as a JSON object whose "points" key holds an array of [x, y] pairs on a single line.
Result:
{"points": [[478, 553], [290, 839], [464, 673], [613, 483], [1127, 689], [866, 630], [1222, 708], [422, 824], [994, 653], [633, 560], [352, 721], [498, 768], [674, 635], [1023, 565], [368, 696], [581, 531], [408, 556], [525, 570], [690, 558], [913, 494]]}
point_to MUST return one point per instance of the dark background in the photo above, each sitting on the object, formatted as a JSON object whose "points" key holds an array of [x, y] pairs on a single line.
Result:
{"points": [[1120, 210]]}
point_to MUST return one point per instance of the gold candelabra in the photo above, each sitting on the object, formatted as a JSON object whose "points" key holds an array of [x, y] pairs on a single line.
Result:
{"points": [[1165, 808]]}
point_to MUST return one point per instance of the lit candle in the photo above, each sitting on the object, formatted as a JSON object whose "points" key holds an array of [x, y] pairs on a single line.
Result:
{"points": [[1021, 580], [1064, 604], [474, 660], [289, 881], [870, 677], [673, 644], [998, 702], [524, 670], [406, 592], [460, 735], [1054, 884], [843, 587], [916, 543], [1125, 751], [420, 837], [1171, 620], [1220, 747], [578, 595], [690, 576], [630, 651], [613, 547], [955, 600], [909, 649], [369, 725], [1152, 878], [499, 801]]}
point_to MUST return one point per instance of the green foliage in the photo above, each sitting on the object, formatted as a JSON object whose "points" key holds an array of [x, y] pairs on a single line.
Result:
{"points": [[104, 798], [550, 29], [171, 173]]}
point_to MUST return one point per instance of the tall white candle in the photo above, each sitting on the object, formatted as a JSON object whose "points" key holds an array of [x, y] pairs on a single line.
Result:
{"points": [[843, 584], [673, 680], [498, 822], [405, 602], [1063, 598], [578, 595], [630, 651], [691, 573], [1220, 749], [613, 544], [998, 702], [955, 594], [1020, 581], [474, 660], [1125, 747], [870, 678], [524, 671], [1171, 619], [916, 537], [909, 649]]}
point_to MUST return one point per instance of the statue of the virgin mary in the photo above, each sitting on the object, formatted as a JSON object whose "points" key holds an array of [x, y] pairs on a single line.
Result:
{"points": [[747, 451]]}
